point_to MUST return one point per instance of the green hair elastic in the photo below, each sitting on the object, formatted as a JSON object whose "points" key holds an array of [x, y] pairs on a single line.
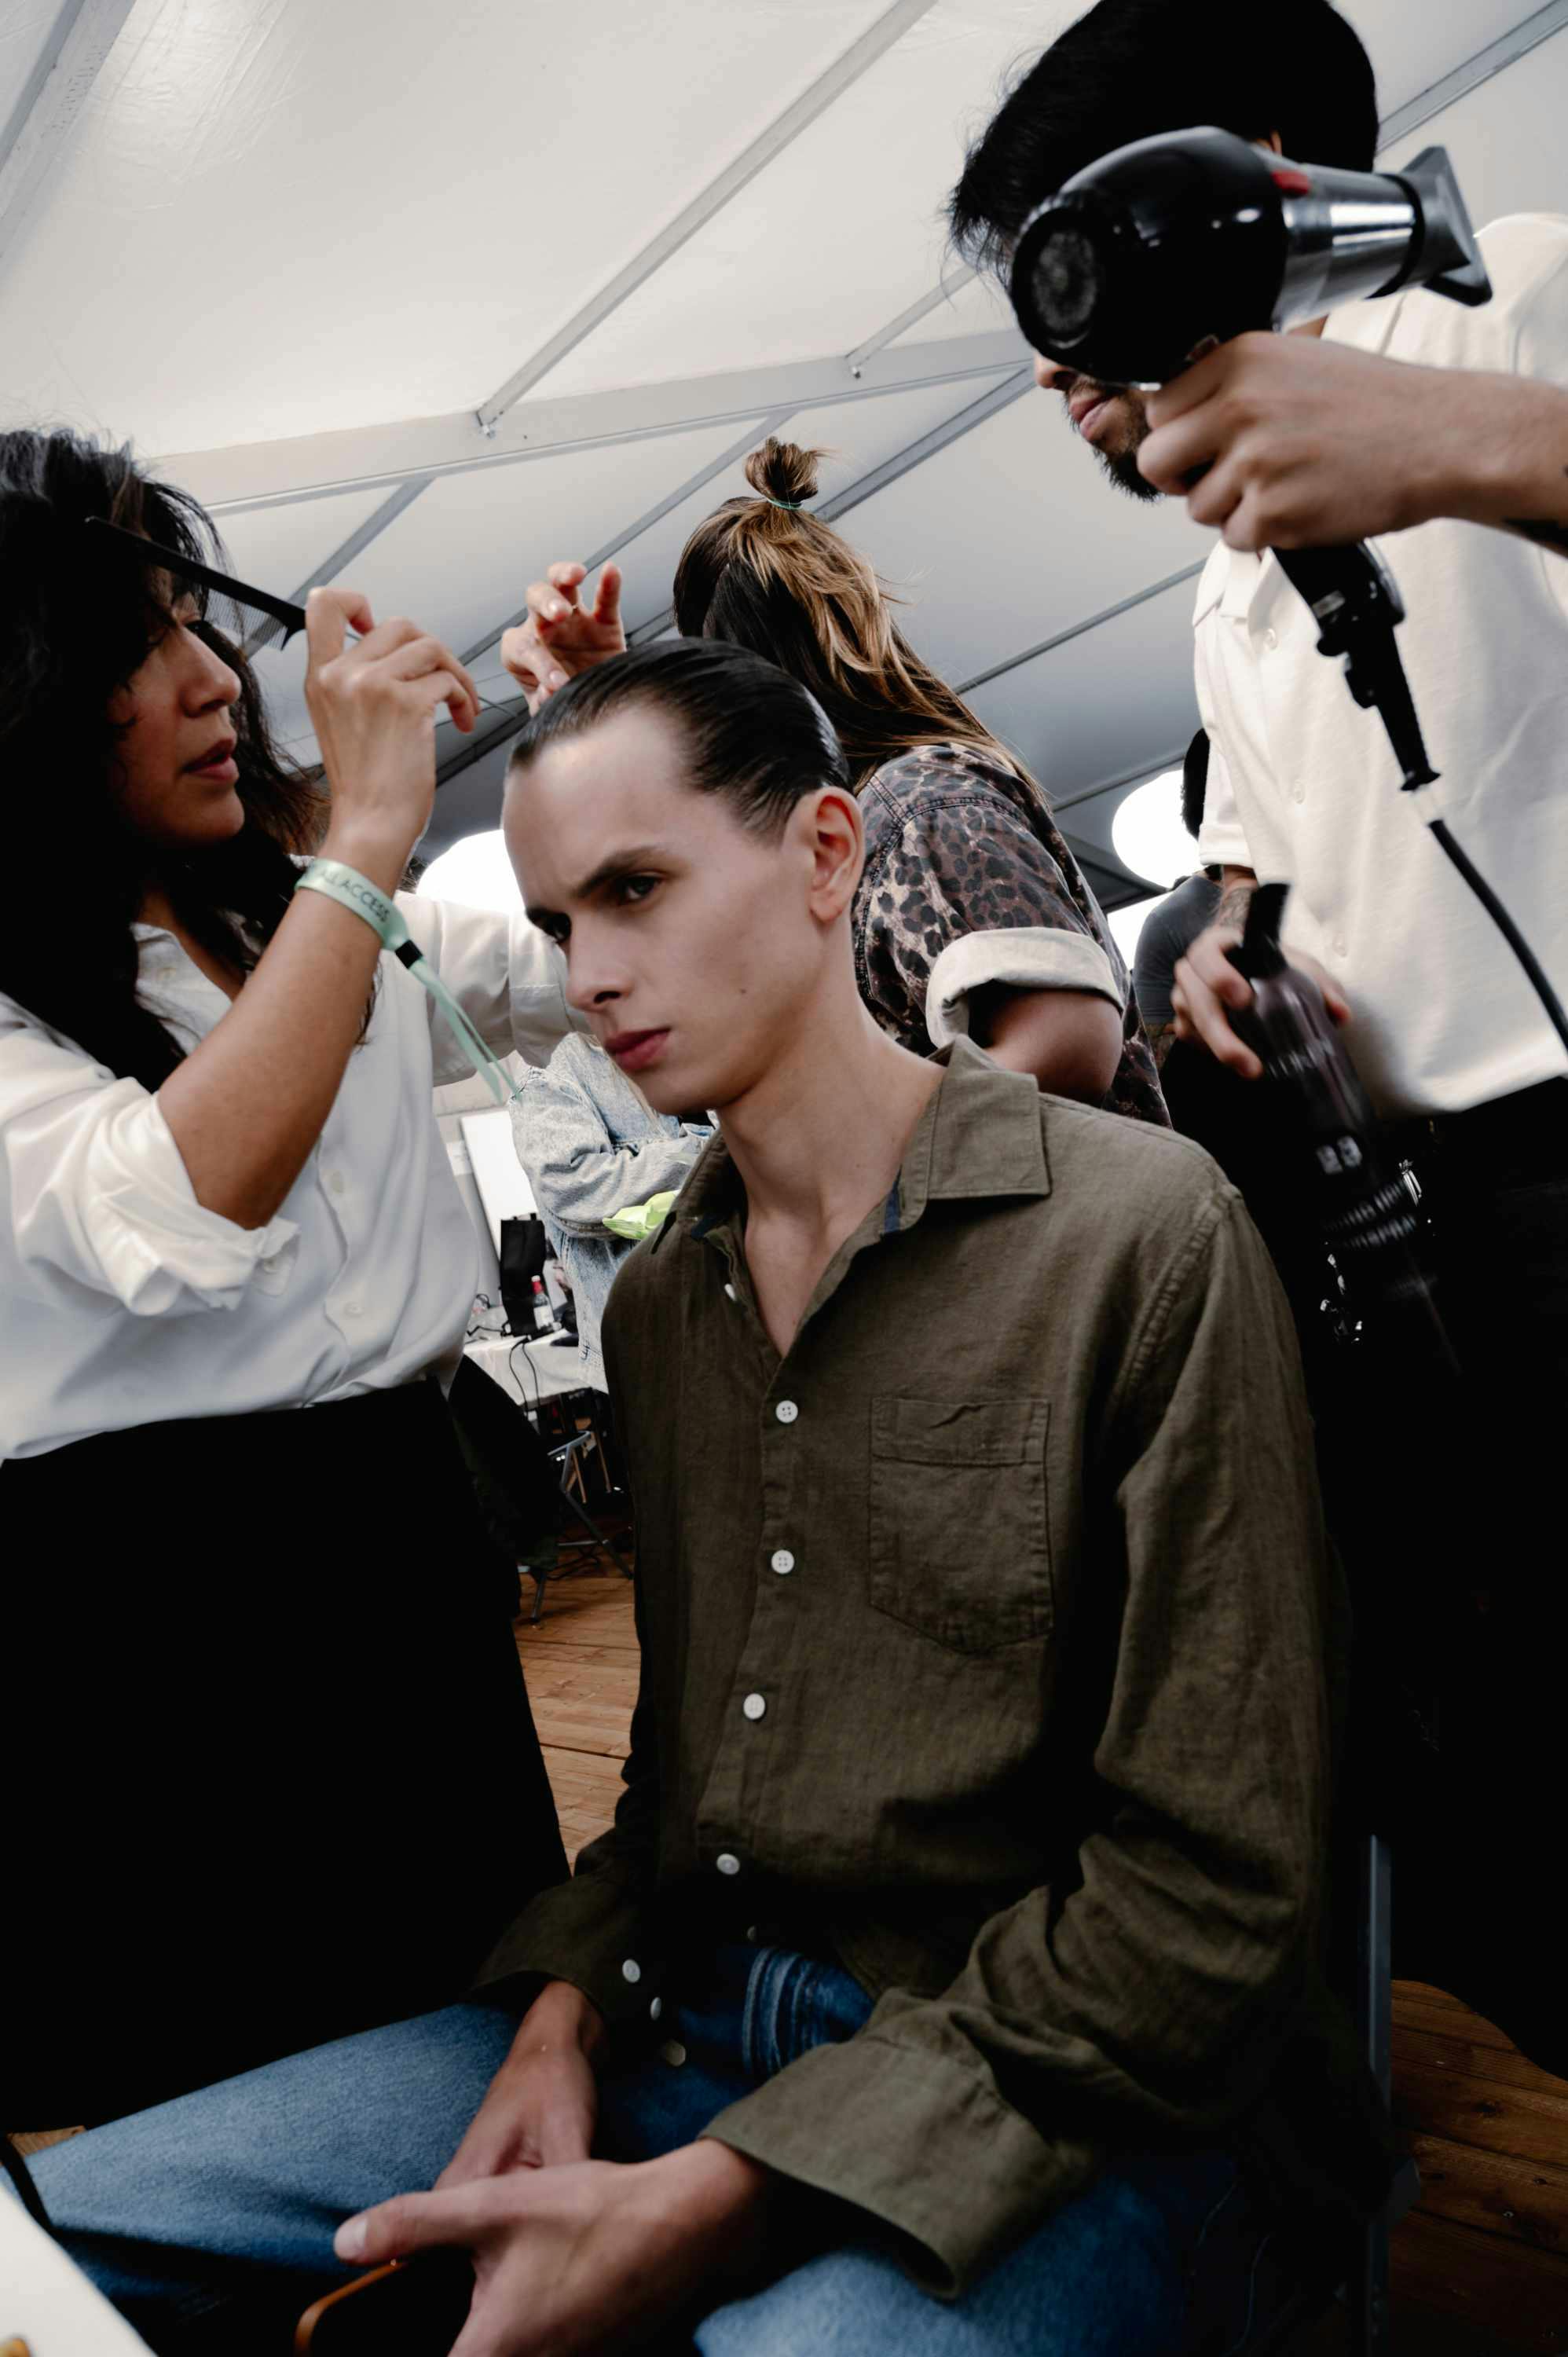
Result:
{"points": [[793, 505], [352, 890]]}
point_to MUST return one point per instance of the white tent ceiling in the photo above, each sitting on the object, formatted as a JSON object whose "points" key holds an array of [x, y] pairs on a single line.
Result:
{"points": [[419, 298]]}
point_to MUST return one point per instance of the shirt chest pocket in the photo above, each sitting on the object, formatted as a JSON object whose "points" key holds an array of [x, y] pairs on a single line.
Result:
{"points": [[960, 1536]]}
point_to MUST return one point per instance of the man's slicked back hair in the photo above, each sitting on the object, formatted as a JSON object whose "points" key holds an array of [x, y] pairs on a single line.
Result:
{"points": [[1132, 68], [752, 734]]}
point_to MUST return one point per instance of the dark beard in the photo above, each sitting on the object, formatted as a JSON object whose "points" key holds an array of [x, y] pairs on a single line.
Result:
{"points": [[1123, 467]]}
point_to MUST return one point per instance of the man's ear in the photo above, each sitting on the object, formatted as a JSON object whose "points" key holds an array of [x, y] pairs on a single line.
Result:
{"points": [[834, 832]]}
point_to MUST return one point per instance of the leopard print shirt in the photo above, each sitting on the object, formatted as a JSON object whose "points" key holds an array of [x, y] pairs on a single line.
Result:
{"points": [[956, 844]]}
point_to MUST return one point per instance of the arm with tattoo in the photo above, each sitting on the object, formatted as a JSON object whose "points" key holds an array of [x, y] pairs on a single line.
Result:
{"points": [[1236, 898]]}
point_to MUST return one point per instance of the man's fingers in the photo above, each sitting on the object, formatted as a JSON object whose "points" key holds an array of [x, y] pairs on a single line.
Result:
{"points": [[1173, 453], [607, 597], [1202, 1014], [457, 2217], [567, 578]]}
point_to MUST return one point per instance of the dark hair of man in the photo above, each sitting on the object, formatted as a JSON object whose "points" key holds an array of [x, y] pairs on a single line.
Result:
{"points": [[1132, 68], [75, 624], [1195, 783], [751, 734]]}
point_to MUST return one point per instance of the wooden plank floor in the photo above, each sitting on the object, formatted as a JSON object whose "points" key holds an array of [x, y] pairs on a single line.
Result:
{"points": [[1480, 2270]]}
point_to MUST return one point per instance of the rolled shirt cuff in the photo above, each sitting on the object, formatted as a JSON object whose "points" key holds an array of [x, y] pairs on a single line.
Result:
{"points": [[590, 1931], [1022, 957], [160, 1249], [926, 2146], [1221, 844]]}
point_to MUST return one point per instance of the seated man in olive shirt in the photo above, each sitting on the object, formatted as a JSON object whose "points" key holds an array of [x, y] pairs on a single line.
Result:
{"points": [[947, 1979]]}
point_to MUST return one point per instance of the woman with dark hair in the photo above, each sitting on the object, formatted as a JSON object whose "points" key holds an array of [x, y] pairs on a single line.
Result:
{"points": [[959, 841], [245, 1581]]}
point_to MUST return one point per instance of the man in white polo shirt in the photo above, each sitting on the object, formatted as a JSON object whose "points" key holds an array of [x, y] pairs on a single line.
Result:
{"points": [[1412, 416]]}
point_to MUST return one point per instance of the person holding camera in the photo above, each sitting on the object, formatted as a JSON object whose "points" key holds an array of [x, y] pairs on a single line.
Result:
{"points": [[245, 1578], [1416, 416]]}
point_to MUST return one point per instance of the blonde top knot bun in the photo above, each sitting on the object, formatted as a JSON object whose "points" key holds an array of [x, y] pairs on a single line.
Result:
{"points": [[783, 472]]}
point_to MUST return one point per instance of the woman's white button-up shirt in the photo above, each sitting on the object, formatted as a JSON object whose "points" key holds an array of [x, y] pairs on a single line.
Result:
{"points": [[124, 1302]]}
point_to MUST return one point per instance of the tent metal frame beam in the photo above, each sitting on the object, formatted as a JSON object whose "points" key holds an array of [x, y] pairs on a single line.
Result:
{"points": [[51, 105], [1077, 630], [247, 475], [911, 317], [1495, 59], [877, 479], [845, 71], [756, 432]]}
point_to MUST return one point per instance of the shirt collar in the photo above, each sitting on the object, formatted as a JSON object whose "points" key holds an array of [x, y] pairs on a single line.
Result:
{"points": [[979, 1137]]}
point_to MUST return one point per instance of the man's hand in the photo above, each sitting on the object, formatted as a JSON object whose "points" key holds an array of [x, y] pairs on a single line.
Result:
{"points": [[1309, 445], [562, 636], [594, 2257], [541, 2104], [1208, 986]]}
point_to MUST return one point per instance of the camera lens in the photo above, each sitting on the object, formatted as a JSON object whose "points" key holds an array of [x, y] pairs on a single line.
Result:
{"points": [[1066, 282]]}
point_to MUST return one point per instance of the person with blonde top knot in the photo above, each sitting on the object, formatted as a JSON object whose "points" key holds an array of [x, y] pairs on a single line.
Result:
{"points": [[960, 839]]}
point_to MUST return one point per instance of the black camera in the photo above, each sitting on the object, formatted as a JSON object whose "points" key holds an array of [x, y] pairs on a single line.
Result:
{"points": [[1171, 245]]}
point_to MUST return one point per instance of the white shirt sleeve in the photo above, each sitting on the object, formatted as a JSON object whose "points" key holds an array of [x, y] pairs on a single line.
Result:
{"points": [[1222, 840], [1541, 350], [508, 978], [97, 1196]]}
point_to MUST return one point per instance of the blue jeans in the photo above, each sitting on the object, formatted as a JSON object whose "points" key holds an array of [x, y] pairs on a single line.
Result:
{"points": [[223, 2204]]}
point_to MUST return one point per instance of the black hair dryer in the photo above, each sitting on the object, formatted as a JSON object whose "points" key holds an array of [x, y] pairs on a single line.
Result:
{"points": [[1169, 246], [1172, 245]]}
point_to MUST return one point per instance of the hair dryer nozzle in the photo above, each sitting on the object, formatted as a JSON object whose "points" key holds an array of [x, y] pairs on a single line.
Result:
{"points": [[1445, 259]]}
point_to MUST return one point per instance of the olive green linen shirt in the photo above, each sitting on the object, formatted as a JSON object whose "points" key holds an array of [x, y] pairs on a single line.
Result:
{"points": [[982, 1648]]}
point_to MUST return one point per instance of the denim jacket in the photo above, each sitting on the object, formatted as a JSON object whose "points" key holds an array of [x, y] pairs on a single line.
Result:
{"points": [[590, 1146]]}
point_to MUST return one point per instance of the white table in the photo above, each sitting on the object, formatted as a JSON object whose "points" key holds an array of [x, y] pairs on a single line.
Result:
{"points": [[530, 1370], [47, 2302]]}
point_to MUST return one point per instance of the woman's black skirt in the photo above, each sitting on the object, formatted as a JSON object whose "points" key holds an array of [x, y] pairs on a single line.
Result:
{"points": [[271, 1774]]}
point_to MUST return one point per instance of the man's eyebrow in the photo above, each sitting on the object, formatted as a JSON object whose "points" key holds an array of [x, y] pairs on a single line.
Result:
{"points": [[620, 864]]}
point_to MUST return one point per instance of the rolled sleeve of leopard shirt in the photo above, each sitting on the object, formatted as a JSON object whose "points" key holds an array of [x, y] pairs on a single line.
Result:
{"points": [[955, 845]]}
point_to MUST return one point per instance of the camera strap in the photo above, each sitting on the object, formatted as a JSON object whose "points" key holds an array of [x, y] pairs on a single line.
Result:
{"points": [[381, 913]]}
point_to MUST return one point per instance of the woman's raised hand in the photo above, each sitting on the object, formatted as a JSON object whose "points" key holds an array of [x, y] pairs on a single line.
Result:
{"points": [[562, 636], [374, 704]]}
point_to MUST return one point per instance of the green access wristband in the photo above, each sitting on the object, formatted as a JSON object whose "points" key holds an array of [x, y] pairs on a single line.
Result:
{"points": [[385, 919]]}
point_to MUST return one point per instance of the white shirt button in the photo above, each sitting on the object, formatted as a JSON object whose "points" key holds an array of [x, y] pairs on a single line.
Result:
{"points": [[754, 1705], [1271, 639], [727, 1863], [270, 1261], [656, 2008], [730, 1293], [753, 1934], [1301, 793], [786, 1411], [673, 2052], [337, 1181], [1338, 944], [350, 1309], [631, 1970], [783, 1561]]}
